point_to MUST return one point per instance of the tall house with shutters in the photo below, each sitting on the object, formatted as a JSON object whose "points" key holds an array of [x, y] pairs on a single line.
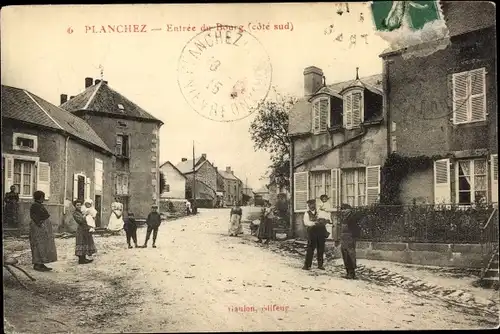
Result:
{"points": [[132, 134], [43, 147], [338, 142], [444, 106]]}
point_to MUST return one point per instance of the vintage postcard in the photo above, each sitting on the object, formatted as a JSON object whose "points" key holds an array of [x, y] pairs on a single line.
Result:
{"points": [[249, 167]]}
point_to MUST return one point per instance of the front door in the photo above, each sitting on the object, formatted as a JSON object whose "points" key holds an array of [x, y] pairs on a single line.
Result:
{"points": [[97, 206]]}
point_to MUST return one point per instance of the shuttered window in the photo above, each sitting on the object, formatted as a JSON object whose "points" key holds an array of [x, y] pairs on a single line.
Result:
{"points": [[321, 115], [442, 185], [472, 181], [372, 184], [469, 96], [43, 178], [353, 109], [301, 191], [99, 171]]}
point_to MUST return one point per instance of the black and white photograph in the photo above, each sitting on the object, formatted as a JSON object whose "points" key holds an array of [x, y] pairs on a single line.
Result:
{"points": [[249, 167]]}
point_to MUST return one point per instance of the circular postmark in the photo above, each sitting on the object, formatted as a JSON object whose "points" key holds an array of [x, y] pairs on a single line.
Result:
{"points": [[223, 73]]}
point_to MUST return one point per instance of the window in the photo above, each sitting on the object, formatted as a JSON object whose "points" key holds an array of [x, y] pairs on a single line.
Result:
{"points": [[320, 184], [167, 188], [353, 109], [25, 142], [472, 182], [121, 148], [354, 187], [469, 96], [24, 177], [121, 107], [121, 184], [81, 187], [321, 115]]}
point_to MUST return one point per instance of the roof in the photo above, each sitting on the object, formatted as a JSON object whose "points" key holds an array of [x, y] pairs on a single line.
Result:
{"points": [[171, 164], [21, 105], [186, 167], [228, 176], [102, 98], [261, 190], [299, 118]]}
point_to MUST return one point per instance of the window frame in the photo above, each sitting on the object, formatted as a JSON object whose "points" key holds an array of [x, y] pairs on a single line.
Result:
{"points": [[348, 93], [32, 183], [325, 175], [16, 147], [473, 180], [469, 96], [125, 142], [317, 100], [343, 188]]}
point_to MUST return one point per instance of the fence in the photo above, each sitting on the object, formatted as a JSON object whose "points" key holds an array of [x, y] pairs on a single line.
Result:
{"points": [[489, 237], [421, 223]]}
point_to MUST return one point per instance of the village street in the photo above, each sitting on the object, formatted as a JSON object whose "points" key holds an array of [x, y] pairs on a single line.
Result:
{"points": [[196, 276]]}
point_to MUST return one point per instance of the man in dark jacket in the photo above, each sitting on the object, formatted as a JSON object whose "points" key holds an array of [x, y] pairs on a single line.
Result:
{"points": [[349, 234], [153, 221], [315, 236]]}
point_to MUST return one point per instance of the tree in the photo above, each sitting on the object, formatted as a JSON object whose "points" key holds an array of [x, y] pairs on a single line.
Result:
{"points": [[269, 132], [163, 182]]}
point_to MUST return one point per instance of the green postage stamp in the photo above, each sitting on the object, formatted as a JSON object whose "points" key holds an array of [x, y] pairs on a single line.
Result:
{"points": [[417, 24]]}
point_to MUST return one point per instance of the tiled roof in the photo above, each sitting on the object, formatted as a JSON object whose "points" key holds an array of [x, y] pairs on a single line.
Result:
{"points": [[24, 106], [100, 97], [227, 176], [299, 118], [186, 167]]}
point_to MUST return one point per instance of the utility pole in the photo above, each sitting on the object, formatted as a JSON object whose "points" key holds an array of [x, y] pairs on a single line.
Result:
{"points": [[194, 178]]}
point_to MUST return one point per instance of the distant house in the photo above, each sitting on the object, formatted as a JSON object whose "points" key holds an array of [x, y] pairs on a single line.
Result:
{"points": [[46, 148], [205, 187], [339, 142], [233, 187], [175, 182], [261, 195], [132, 134]]}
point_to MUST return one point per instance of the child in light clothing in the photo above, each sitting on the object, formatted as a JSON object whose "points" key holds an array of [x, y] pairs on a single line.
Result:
{"points": [[324, 216], [90, 213]]}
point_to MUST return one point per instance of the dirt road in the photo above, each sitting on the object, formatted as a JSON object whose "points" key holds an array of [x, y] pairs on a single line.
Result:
{"points": [[200, 279]]}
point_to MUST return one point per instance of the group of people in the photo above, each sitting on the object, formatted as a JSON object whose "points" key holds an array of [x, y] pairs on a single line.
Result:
{"points": [[42, 243], [265, 227], [316, 220]]}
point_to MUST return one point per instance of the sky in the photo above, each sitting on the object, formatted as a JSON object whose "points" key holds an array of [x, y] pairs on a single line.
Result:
{"points": [[49, 50]]}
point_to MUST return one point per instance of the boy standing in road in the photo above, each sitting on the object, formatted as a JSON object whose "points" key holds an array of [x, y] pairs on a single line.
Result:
{"points": [[153, 221]]}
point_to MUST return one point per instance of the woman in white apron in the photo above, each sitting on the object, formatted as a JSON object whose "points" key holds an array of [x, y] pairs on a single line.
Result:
{"points": [[116, 219]]}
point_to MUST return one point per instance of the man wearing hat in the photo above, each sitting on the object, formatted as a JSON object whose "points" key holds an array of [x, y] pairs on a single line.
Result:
{"points": [[153, 221], [315, 236], [350, 231]]}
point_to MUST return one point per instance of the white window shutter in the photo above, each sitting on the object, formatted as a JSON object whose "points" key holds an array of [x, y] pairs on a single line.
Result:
{"points": [[75, 186], [460, 82], [9, 173], [43, 178], [324, 114], [478, 94], [301, 191], [87, 188], [356, 108], [494, 178], [335, 188], [348, 111], [98, 174], [316, 117], [372, 184], [442, 184]]}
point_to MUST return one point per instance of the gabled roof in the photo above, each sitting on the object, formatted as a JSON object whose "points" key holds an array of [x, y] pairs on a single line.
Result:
{"points": [[102, 98], [21, 105], [228, 176], [299, 120], [186, 167], [175, 168]]}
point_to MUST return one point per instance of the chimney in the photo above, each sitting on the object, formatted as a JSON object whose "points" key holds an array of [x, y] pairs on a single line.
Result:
{"points": [[184, 159], [313, 80], [204, 155], [88, 82], [228, 170], [97, 81], [71, 97], [64, 98]]}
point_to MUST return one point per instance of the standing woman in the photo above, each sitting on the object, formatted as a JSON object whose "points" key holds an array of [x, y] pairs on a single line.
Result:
{"points": [[235, 227], [116, 219], [84, 240], [11, 209], [43, 246], [265, 230]]}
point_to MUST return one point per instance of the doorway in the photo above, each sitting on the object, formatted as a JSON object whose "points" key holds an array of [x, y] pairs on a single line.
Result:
{"points": [[81, 188], [97, 206]]}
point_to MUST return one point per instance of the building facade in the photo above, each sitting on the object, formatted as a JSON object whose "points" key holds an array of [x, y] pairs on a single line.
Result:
{"points": [[444, 106], [233, 187], [46, 148], [205, 174], [338, 142], [132, 134], [175, 182]]}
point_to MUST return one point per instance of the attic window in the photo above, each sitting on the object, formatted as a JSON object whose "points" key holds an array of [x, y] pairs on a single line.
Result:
{"points": [[121, 107], [353, 108], [320, 115]]}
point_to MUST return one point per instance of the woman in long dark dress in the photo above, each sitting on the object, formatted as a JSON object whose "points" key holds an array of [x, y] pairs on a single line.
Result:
{"points": [[235, 227], [43, 246], [84, 240], [265, 230], [11, 208]]}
